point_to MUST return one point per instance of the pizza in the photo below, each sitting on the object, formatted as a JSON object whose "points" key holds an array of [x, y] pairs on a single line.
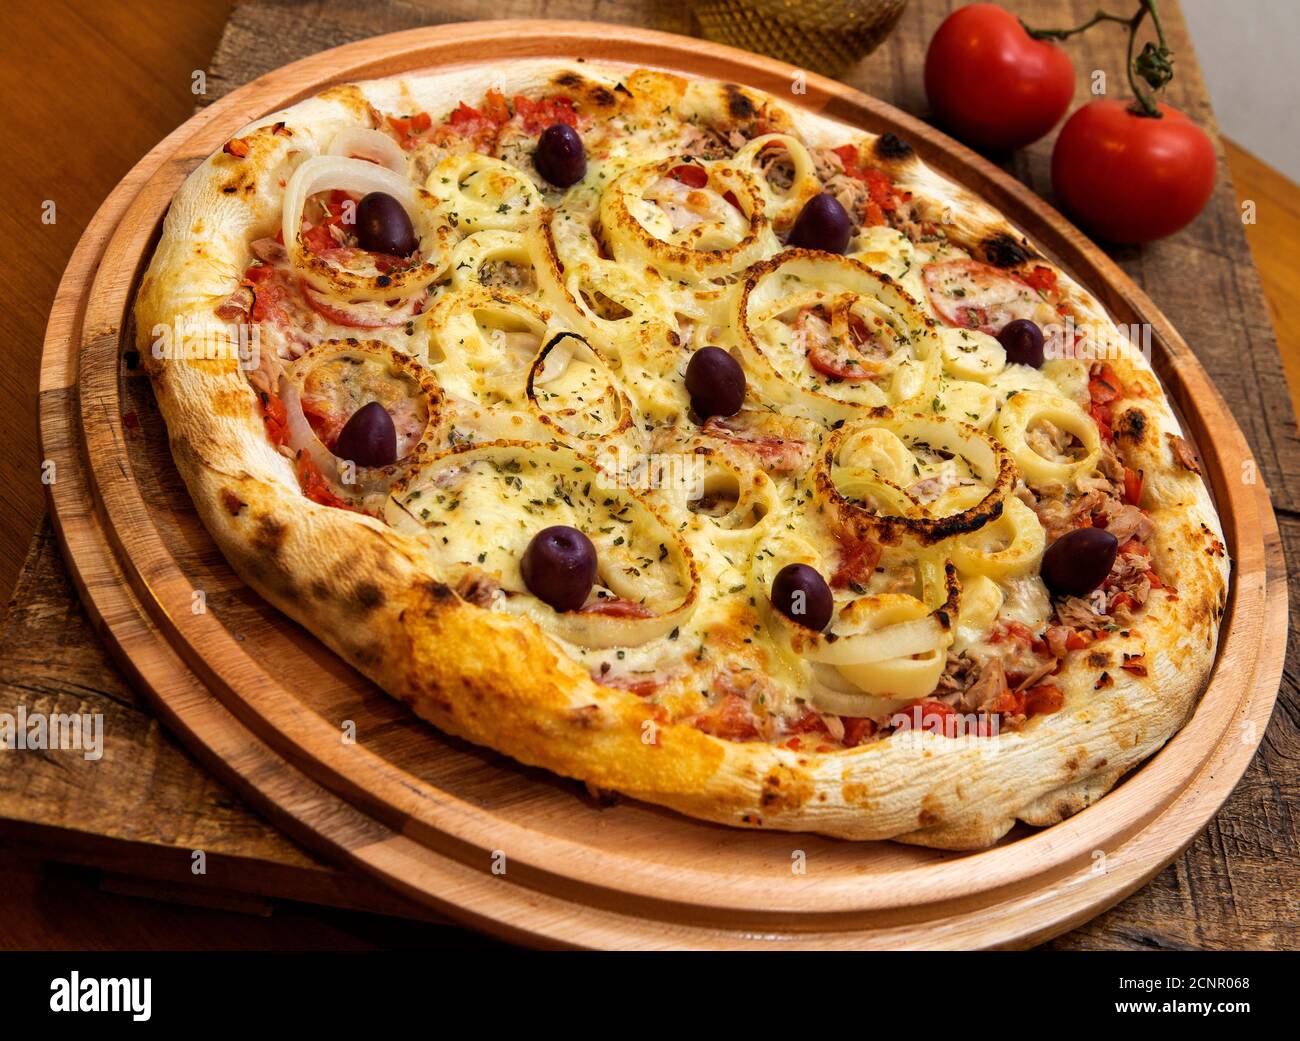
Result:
{"points": [[689, 444]]}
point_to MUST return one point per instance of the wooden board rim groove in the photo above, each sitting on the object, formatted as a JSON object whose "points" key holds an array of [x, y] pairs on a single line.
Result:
{"points": [[102, 325]]}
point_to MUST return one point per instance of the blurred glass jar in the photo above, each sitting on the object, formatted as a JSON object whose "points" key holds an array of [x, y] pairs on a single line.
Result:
{"points": [[826, 36]]}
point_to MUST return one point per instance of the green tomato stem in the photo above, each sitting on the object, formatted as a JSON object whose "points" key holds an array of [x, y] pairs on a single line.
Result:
{"points": [[1144, 101]]}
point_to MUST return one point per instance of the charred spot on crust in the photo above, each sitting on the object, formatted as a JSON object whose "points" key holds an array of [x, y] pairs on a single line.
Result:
{"points": [[602, 797], [739, 105], [439, 591], [585, 717], [232, 502], [889, 146], [368, 596], [368, 655], [602, 97], [568, 79], [1001, 250], [771, 789], [268, 535], [931, 812], [1131, 424]]}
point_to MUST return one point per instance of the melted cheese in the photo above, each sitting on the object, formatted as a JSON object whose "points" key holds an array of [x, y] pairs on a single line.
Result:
{"points": [[647, 263]]}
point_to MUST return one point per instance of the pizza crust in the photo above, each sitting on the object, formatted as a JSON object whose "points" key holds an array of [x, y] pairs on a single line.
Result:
{"points": [[496, 679]]}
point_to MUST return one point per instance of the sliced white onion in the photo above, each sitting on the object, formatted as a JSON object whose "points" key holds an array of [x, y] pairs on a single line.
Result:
{"points": [[519, 347], [369, 144], [592, 629], [302, 438], [905, 678], [363, 314], [835, 694], [555, 363], [322, 172], [900, 640]]}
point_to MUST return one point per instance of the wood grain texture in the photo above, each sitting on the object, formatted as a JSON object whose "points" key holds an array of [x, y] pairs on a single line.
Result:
{"points": [[146, 806], [1273, 201], [1264, 832], [99, 83]]}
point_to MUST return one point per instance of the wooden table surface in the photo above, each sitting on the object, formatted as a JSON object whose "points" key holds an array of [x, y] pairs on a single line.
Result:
{"points": [[137, 814]]}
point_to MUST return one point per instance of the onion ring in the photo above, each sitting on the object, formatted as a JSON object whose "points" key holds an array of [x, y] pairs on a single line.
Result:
{"points": [[554, 360], [361, 177], [364, 143], [664, 563], [982, 452]]}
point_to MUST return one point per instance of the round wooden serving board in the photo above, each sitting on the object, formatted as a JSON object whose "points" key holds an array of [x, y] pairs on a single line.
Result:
{"points": [[515, 851]]}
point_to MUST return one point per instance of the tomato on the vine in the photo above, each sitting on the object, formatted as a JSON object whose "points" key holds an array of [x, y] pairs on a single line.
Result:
{"points": [[1130, 177], [991, 83]]}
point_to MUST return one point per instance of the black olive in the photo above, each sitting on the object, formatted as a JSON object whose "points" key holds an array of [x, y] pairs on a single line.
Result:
{"points": [[716, 383], [1079, 561], [369, 437], [560, 156], [803, 596], [822, 224], [384, 226], [1023, 341], [559, 567]]}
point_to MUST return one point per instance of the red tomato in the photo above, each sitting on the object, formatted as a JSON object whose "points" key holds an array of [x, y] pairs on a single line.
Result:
{"points": [[730, 719], [856, 731], [360, 317], [314, 485], [1132, 178], [1044, 698], [991, 83], [857, 564], [1132, 486], [538, 115], [275, 417], [934, 716], [690, 175]]}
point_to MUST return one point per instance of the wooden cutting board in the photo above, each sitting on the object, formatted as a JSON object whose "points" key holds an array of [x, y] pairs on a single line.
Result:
{"points": [[282, 35]]}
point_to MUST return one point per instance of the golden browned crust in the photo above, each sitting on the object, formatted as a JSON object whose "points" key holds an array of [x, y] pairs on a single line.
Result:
{"points": [[369, 592]]}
